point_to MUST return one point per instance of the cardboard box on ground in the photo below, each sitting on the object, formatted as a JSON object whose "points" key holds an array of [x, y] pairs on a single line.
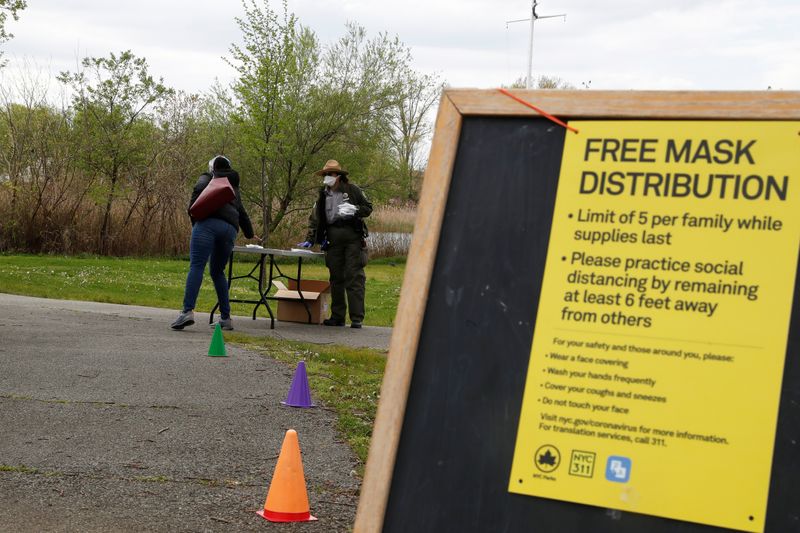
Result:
{"points": [[317, 295]]}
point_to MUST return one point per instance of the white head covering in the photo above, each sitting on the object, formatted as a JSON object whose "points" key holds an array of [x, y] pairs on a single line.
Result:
{"points": [[211, 162]]}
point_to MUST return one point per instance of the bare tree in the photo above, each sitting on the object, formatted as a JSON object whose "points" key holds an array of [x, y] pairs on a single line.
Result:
{"points": [[109, 103], [542, 82], [412, 127], [37, 155]]}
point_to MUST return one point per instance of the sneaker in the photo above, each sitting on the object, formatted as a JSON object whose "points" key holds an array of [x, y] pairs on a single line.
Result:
{"points": [[184, 319], [355, 324], [333, 322], [224, 323]]}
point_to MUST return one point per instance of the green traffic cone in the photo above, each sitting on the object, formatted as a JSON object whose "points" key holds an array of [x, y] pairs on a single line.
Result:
{"points": [[217, 348]]}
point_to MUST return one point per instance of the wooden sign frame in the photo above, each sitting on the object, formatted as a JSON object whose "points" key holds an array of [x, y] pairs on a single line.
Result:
{"points": [[456, 104]]}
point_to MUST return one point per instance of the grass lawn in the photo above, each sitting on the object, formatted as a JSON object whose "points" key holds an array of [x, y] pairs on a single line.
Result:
{"points": [[160, 282]]}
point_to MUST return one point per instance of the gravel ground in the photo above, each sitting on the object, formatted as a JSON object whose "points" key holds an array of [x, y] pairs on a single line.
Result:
{"points": [[124, 425]]}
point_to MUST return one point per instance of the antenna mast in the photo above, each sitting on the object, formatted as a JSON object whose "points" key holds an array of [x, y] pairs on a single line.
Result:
{"points": [[533, 19]]}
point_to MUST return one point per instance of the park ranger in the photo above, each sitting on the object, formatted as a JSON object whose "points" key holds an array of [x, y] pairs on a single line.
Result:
{"points": [[336, 223]]}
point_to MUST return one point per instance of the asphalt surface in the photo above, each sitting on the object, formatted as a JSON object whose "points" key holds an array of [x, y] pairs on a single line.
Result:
{"points": [[110, 421]]}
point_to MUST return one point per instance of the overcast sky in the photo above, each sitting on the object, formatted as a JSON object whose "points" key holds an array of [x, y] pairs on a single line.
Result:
{"points": [[611, 44]]}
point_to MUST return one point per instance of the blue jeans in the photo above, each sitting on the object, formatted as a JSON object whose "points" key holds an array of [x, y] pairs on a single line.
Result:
{"points": [[211, 238]]}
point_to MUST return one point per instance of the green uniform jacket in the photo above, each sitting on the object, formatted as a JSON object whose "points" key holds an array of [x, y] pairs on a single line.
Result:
{"points": [[318, 223]]}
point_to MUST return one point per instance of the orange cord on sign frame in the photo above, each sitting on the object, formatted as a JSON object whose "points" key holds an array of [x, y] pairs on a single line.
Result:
{"points": [[538, 110]]}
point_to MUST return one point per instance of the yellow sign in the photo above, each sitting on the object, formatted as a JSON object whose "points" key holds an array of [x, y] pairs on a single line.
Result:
{"points": [[657, 359]]}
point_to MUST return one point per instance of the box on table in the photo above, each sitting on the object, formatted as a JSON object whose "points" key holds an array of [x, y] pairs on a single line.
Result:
{"points": [[317, 295]]}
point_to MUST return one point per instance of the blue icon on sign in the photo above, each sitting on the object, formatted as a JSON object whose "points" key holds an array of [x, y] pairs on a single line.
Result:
{"points": [[618, 469]]}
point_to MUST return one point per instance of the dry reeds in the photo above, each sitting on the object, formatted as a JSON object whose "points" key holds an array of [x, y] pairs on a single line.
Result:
{"points": [[393, 219]]}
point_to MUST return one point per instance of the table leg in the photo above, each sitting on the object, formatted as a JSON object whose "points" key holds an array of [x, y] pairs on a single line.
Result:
{"points": [[264, 293], [299, 287], [260, 267]]}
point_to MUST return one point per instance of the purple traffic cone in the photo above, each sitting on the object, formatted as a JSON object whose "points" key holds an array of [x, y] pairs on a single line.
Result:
{"points": [[299, 392]]}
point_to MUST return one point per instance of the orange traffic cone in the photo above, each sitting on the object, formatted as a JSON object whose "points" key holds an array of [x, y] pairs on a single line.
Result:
{"points": [[287, 499]]}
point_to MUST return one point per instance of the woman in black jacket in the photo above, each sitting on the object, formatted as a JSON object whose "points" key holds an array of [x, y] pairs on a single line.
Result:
{"points": [[213, 238]]}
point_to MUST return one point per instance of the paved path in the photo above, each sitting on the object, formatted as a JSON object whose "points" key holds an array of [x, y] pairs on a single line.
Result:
{"points": [[366, 337], [124, 425]]}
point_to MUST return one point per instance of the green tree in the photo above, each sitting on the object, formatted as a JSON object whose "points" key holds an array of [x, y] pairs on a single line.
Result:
{"points": [[299, 105], [9, 7], [273, 57], [368, 81], [110, 97]]}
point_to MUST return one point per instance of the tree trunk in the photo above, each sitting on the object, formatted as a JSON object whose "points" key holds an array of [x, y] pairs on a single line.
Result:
{"points": [[266, 201], [105, 230]]}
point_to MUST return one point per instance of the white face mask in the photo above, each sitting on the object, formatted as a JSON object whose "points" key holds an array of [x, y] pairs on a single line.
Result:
{"points": [[329, 181]]}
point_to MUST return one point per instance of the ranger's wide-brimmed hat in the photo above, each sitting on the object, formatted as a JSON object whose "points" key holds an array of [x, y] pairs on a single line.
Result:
{"points": [[331, 165]]}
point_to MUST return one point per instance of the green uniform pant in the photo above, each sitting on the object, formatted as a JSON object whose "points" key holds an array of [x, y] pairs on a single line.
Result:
{"points": [[346, 263]]}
